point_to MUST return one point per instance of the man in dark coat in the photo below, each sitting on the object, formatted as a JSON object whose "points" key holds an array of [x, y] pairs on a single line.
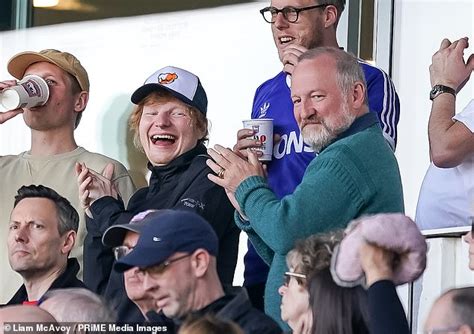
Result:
{"points": [[42, 231], [176, 256]]}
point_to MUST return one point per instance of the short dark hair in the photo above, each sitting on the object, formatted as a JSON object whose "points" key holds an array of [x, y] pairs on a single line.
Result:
{"points": [[339, 4], [336, 309], [463, 305], [68, 218]]}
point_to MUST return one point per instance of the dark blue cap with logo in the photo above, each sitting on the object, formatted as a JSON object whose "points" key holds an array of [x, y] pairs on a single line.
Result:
{"points": [[168, 233], [115, 234]]}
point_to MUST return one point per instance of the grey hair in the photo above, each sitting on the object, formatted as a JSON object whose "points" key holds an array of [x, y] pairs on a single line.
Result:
{"points": [[349, 71], [77, 305], [462, 305]]}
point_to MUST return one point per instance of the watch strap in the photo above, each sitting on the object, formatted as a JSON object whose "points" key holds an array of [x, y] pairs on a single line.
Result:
{"points": [[441, 89]]}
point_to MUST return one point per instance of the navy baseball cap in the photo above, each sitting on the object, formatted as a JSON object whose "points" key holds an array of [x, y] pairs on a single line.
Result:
{"points": [[168, 233], [183, 85], [115, 234]]}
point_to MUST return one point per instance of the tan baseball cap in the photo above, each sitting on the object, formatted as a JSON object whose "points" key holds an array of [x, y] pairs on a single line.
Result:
{"points": [[18, 64]]}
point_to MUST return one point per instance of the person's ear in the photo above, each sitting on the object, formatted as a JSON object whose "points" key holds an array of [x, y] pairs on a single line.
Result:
{"points": [[200, 261], [330, 16], [69, 241], [358, 95], [81, 101]]}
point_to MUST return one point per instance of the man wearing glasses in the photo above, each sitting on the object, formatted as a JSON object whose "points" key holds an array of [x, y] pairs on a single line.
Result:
{"points": [[298, 25], [176, 258], [135, 304]]}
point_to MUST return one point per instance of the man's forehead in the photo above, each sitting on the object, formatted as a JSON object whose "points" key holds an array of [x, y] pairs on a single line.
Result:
{"points": [[314, 66], [35, 206], [293, 3]]}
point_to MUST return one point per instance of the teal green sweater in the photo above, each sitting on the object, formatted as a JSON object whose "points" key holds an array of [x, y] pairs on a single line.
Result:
{"points": [[355, 175]]}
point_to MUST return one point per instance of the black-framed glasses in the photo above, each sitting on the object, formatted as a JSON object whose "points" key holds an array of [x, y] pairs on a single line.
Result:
{"points": [[298, 276], [159, 269], [121, 251], [290, 13]]}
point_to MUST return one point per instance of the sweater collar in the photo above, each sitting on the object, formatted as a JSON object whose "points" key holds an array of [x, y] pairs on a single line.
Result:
{"points": [[360, 124]]}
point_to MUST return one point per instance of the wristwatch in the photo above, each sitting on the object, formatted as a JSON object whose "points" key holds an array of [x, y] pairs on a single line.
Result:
{"points": [[440, 89]]}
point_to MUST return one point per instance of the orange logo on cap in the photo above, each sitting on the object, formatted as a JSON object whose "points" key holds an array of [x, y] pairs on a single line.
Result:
{"points": [[167, 78]]}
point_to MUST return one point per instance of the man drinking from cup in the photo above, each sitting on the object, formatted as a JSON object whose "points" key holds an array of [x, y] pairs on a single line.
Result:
{"points": [[53, 153], [31, 91]]}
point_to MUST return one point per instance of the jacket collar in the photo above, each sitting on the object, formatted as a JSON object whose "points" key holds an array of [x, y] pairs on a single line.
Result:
{"points": [[68, 275], [230, 306], [63, 280], [360, 124], [181, 161]]}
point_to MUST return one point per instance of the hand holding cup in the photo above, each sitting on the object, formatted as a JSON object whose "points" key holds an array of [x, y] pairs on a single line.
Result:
{"points": [[262, 129], [31, 91]]}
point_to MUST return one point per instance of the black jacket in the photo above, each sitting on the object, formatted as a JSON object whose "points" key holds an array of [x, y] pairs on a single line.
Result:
{"points": [[234, 306], [67, 279], [182, 184], [385, 309], [237, 308]]}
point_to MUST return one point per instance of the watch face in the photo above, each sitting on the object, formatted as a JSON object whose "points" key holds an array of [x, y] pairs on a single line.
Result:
{"points": [[434, 92], [439, 89]]}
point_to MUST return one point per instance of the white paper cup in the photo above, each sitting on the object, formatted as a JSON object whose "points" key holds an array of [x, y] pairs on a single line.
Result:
{"points": [[31, 91], [263, 128]]}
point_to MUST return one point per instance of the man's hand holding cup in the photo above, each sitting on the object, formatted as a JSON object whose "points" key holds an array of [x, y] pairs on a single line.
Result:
{"points": [[5, 115], [257, 135]]}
